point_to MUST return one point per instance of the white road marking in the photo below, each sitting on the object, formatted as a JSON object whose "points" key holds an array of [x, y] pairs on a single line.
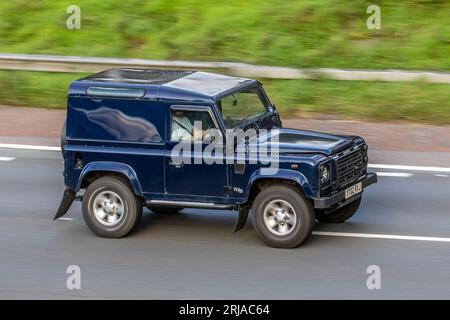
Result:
{"points": [[66, 219], [7, 158], [28, 147], [442, 175], [409, 168], [379, 236], [395, 174], [372, 165]]}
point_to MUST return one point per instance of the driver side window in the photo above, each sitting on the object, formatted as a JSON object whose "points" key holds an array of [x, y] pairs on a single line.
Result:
{"points": [[190, 125]]}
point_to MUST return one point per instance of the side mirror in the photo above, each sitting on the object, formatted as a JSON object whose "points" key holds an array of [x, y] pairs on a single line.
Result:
{"points": [[235, 101]]}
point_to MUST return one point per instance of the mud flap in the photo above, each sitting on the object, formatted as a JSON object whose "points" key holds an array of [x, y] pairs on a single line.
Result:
{"points": [[242, 218], [66, 202]]}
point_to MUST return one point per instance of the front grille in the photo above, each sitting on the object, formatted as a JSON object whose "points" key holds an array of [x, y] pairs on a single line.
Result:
{"points": [[349, 167]]}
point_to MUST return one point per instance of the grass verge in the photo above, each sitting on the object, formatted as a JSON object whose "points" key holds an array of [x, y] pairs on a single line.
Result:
{"points": [[418, 102]]}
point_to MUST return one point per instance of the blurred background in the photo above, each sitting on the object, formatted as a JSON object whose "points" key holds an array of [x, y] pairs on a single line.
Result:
{"points": [[194, 255], [414, 35]]}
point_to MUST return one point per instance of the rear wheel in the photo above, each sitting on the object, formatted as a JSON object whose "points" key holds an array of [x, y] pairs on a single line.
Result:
{"points": [[110, 208], [282, 217], [340, 215], [165, 210]]}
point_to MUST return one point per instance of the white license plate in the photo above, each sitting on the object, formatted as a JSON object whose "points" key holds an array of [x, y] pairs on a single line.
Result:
{"points": [[351, 191]]}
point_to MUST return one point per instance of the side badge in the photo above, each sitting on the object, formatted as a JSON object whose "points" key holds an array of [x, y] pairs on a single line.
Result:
{"points": [[238, 190]]}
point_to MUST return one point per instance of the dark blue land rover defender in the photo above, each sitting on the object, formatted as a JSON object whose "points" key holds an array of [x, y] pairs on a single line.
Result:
{"points": [[124, 124]]}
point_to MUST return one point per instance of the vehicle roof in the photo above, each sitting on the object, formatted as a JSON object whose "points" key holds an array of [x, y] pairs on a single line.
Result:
{"points": [[164, 84]]}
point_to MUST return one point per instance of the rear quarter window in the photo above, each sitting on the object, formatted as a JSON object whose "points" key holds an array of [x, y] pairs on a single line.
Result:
{"points": [[106, 119]]}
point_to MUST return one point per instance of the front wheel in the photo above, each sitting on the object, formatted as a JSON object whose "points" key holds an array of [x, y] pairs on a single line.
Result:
{"points": [[340, 215], [110, 208], [282, 217]]}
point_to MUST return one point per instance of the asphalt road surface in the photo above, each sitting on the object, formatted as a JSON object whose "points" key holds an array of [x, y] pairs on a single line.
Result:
{"points": [[194, 255]]}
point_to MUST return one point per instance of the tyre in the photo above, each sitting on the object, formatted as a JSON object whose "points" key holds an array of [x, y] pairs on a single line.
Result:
{"points": [[340, 215], [165, 210], [110, 207], [282, 216]]}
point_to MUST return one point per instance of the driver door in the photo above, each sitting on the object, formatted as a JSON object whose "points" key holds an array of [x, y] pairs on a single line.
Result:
{"points": [[195, 173]]}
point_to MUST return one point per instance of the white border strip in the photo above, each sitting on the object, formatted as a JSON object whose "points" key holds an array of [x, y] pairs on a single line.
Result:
{"points": [[379, 236]]}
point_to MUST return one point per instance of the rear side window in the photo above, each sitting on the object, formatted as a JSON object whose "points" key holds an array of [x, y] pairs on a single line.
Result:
{"points": [[115, 120], [116, 92]]}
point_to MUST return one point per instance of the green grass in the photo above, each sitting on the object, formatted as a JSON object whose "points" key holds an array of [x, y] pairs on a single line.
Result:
{"points": [[35, 89], [415, 34], [417, 102]]}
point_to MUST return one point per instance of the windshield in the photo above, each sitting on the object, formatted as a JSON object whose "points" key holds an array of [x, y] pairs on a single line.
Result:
{"points": [[241, 107]]}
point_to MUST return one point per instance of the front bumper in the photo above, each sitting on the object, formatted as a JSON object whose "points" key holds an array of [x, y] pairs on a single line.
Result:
{"points": [[338, 199]]}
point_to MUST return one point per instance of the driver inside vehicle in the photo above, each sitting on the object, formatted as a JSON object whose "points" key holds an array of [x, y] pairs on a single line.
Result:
{"points": [[183, 129]]}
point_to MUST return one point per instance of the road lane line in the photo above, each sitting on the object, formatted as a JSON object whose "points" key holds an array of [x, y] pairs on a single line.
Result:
{"points": [[66, 219], [371, 165], [409, 168], [7, 158], [442, 175], [395, 174], [379, 236], [28, 147]]}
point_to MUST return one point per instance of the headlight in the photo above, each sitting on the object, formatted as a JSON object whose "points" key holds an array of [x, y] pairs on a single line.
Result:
{"points": [[324, 174]]}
